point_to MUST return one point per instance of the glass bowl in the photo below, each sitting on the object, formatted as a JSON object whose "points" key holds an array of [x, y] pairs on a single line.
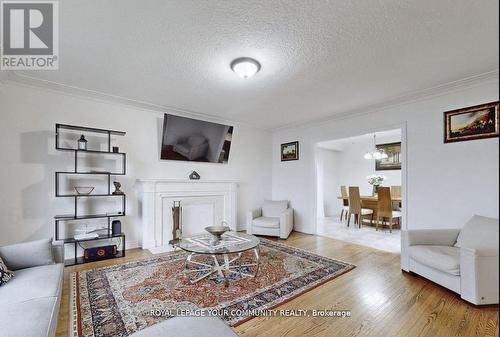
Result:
{"points": [[84, 190]]}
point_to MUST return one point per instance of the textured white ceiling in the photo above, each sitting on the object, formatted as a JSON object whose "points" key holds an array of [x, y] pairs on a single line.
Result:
{"points": [[319, 58]]}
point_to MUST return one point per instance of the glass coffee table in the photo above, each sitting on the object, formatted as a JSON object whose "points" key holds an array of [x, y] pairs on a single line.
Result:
{"points": [[222, 258]]}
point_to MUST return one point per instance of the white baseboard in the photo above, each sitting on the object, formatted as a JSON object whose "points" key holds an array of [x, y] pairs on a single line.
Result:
{"points": [[147, 244], [132, 244], [162, 249]]}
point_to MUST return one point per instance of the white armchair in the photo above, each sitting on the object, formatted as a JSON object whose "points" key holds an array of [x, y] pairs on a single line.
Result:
{"points": [[462, 260], [275, 218]]}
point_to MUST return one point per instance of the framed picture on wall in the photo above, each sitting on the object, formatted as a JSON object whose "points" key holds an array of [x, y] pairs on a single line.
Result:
{"points": [[393, 160], [290, 151], [476, 122]]}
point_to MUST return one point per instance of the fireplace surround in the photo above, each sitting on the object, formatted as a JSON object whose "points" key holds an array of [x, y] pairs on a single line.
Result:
{"points": [[204, 203]]}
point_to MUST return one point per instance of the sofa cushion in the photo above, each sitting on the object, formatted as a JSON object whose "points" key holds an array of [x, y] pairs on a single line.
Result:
{"points": [[443, 258], [32, 283], [5, 274], [33, 318], [27, 254], [267, 222], [479, 232], [188, 327], [273, 209]]}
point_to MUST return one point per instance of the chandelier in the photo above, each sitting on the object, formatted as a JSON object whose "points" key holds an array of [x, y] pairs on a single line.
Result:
{"points": [[375, 153]]}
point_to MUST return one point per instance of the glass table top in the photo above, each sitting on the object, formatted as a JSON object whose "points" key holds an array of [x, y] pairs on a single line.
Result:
{"points": [[231, 242]]}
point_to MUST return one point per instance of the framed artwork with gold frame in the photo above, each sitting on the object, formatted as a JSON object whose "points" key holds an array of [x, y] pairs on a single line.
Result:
{"points": [[475, 122], [393, 160]]}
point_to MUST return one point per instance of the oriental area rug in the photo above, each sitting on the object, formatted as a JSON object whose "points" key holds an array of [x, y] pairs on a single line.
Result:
{"points": [[121, 299]]}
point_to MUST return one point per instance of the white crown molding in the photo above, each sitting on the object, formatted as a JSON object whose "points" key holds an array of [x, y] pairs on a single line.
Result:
{"points": [[24, 80], [408, 98]]}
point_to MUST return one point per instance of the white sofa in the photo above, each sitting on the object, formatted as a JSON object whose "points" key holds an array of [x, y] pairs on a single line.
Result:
{"points": [[29, 302], [462, 260], [274, 218], [188, 327]]}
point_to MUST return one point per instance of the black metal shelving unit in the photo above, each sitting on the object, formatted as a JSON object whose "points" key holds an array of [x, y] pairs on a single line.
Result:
{"points": [[58, 219]]}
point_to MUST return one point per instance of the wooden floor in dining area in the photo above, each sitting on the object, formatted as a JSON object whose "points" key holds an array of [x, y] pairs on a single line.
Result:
{"points": [[383, 300]]}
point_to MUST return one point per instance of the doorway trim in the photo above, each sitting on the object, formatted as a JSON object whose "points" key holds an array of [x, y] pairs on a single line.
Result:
{"points": [[404, 169]]}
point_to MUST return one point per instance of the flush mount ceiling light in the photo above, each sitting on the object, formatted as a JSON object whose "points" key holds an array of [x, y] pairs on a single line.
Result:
{"points": [[245, 67]]}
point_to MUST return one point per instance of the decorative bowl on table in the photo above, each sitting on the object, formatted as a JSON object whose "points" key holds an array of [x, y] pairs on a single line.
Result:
{"points": [[84, 190], [217, 232]]}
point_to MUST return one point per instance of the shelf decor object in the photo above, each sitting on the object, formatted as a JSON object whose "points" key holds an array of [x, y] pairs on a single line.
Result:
{"points": [[85, 191], [117, 190], [116, 227], [82, 143]]}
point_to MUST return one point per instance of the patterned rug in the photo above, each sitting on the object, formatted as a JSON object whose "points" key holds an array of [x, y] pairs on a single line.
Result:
{"points": [[118, 300]]}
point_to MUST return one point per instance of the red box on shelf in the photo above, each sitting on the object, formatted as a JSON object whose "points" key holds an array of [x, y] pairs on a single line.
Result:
{"points": [[99, 253]]}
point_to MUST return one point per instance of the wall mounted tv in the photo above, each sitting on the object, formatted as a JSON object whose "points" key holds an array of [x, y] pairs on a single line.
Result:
{"points": [[195, 140]]}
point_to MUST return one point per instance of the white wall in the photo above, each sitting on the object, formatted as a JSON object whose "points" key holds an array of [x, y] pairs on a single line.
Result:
{"points": [[28, 162], [462, 177], [446, 183], [328, 180], [347, 166]]}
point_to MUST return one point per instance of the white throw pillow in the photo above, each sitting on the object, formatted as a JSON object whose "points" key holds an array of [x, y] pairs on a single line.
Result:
{"points": [[479, 231]]}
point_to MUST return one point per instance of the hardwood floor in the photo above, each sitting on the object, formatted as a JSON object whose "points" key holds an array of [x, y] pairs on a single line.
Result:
{"points": [[383, 300]]}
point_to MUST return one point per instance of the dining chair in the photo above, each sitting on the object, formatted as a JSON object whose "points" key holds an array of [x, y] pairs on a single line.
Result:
{"points": [[384, 210], [355, 207], [396, 191], [396, 194], [345, 202]]}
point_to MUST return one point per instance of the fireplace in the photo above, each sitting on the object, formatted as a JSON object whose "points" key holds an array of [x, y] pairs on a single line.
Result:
{"points": [[204, 203]]}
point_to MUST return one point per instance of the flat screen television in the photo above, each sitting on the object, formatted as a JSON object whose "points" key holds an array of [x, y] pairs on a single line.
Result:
{"points": [[195, 140]]}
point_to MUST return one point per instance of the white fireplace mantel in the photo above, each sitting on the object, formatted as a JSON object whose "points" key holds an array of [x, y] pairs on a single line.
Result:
{"points": [[204, 203]]}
